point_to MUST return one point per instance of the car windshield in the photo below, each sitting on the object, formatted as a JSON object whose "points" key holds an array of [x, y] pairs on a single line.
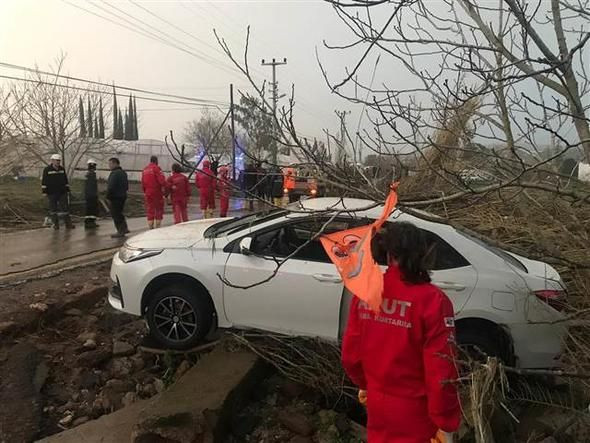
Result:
{"points": [[238, 223]]}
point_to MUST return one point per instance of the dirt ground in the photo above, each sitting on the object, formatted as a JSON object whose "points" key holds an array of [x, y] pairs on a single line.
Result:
{"points": [[92, 363]]}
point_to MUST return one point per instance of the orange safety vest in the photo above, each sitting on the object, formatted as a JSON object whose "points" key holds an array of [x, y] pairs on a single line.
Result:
{"points": [[289, 179]]}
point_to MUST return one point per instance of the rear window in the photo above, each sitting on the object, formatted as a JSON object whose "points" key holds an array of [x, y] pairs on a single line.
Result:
{"points": [[444, 255], [510, 259]]}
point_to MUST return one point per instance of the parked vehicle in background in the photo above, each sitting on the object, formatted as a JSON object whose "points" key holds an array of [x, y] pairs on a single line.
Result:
{"points": [[505, 305], [474, 176]]}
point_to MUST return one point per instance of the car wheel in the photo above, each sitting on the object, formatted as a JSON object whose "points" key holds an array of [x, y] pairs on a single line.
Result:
{"points": [[178, 318]]}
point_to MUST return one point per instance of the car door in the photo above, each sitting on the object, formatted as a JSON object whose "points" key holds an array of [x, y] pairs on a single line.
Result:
{"points": [[451, 271], [301, 297]]}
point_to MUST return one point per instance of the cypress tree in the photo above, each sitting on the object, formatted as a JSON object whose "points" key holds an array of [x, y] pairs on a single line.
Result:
{"points": [[120, 126], [127, 126], [80, 118], [115, 116], [89, 117], [100, 121], [129, 131], [135, 128]]}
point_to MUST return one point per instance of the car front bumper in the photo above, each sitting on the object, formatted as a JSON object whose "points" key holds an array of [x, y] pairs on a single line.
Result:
{"points": [[127, 284]]}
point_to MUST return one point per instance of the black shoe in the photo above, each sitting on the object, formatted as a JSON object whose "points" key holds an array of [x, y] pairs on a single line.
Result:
{"points": [[118, 235]]}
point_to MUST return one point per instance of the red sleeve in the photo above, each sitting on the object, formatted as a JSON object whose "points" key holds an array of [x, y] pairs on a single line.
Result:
{"points": [[439, 362], [161, 179], [352, 347]]}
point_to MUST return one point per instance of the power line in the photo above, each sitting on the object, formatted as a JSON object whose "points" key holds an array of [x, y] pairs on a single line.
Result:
{"points": [[136, 29], [77, 88], [176, 27], [193, 51], [202, 56], [126, 88]]}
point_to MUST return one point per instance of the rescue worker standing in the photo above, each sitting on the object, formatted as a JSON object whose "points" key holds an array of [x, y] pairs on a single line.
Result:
{"points": [[153, 183], [55, 184], [91, 196], [117, 188], [180, 192], [276, 180], [250, 180], [224, 187], [289, 184], [205, 181], [402, 358]]}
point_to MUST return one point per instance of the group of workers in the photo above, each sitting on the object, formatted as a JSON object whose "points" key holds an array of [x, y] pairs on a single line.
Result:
{"points": [[268, 185], [156, 188], [55, 184], [210, 179]]}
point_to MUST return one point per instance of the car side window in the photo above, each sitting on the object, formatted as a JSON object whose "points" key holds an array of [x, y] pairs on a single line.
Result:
{"points": [[444, 255], [288, 238]]}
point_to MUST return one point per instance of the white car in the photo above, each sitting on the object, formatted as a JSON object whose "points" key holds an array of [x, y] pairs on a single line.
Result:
{"points": [[190, 278]]}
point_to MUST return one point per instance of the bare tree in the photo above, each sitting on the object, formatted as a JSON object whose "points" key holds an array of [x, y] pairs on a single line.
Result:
{"points": [[494, 101], [210, 133], [40, 115]]}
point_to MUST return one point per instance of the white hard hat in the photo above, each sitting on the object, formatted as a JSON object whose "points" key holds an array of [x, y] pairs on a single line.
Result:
{"points": [[56, 157], [91, 162]]}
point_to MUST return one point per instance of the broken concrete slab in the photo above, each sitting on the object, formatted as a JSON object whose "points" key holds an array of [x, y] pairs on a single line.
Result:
{"points": [[212, 384]]}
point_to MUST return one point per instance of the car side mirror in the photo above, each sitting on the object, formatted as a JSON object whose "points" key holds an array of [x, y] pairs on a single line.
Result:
{"points": [[245, 245]]}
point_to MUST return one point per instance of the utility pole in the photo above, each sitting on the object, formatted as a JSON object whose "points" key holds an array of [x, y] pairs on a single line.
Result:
{"points": [[275, 98], [340, 154], [233, 133]]}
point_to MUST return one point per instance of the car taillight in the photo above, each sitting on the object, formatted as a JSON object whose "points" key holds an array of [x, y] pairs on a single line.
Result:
{"points": [[553, 297]]}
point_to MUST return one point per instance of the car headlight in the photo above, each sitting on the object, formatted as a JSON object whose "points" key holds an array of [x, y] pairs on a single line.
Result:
{"points": [[127, 254]]}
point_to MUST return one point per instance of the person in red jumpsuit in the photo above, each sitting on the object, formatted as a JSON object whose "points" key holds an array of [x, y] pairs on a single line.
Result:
{"points": [[206, 181], [402, 358], [180, 192], [224, 187], [153, 183]]}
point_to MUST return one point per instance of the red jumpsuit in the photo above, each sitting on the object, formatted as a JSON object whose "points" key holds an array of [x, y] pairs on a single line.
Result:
{"points": [[224, 187], [402, 357], [205, 181], [180, 191], [153, 183]]}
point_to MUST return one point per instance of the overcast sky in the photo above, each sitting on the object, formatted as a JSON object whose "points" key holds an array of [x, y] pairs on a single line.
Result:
{"points": [[34, 32]]}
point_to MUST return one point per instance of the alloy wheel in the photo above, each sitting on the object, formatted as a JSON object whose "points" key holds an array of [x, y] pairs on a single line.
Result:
{"points": [[175, 319]]}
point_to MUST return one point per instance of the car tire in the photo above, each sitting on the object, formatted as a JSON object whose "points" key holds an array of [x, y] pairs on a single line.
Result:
{"points": [[178, 317]]}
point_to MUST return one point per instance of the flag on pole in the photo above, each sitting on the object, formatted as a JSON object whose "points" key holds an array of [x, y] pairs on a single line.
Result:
{"points": [[350, 251]]}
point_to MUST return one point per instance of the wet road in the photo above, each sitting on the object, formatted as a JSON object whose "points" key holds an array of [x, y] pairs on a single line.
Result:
{"points": [[25, 250]]}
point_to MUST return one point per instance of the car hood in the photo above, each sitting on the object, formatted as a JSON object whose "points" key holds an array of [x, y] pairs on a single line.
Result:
{"points": [[183, 235]]}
